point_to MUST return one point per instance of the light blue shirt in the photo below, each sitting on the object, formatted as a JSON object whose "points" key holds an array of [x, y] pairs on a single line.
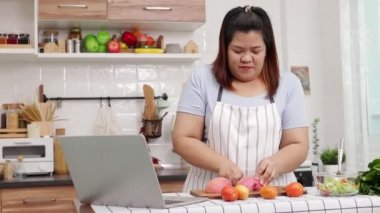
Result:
{"points": [[201, 91]]}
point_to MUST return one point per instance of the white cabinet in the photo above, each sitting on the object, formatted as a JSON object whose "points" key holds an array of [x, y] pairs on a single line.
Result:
{"points": [[17, 16], [34, 16]]}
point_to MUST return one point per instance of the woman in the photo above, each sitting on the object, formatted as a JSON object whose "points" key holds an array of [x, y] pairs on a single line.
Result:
{"points": [[240, 117]]}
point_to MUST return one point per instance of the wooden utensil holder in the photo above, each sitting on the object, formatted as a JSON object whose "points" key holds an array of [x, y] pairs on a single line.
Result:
{"points": [[46, 127], [152, 128]]}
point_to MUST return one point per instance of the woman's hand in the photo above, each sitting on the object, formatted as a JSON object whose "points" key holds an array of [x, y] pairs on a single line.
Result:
{"points": [[267, 170], [230, 171]]}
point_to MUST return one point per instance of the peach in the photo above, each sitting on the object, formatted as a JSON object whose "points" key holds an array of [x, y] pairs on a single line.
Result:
{"points": [[243, 192]]}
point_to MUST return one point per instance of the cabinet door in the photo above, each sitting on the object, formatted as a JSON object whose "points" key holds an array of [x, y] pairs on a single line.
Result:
{"points": [[171, 186], [72, 9], [39, 199], [158, 10]]}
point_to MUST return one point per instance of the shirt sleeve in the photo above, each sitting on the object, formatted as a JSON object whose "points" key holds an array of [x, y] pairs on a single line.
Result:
{"points": [[193, 99], [294, 114]]}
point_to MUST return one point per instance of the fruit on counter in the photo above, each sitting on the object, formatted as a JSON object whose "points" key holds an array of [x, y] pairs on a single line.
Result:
{"points": [[103, 37], [294, 189], [229, 193], [129, 39], [113, 46], [268, 192], [252, 183], [90, 43], [243, 192], [216, 184]]}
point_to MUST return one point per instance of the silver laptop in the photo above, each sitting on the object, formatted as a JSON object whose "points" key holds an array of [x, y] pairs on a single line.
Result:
{"points": [[116, 171]]}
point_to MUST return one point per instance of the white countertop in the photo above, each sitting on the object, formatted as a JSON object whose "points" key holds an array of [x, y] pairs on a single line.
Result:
{"points": [[311, 202]]}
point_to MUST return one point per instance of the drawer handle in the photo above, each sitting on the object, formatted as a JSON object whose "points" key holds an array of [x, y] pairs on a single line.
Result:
{"points": [[73, 6], [158, 8], [22, 143], [34, 200]]}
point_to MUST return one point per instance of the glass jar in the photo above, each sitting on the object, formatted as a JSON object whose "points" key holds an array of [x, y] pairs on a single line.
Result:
{"points": [[75, 33], [8, 170], [50, 36], [23, 38], [3, 38], [12, 38], [19, 168], [12, 117]]}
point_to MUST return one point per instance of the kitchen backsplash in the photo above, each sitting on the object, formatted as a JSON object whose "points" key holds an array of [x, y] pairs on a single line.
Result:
{"points": [[19, 82]]}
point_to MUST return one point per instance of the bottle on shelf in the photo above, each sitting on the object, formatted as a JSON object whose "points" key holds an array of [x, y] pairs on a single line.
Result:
{"points": [[8, 170], [12, 117], [19, 168]]}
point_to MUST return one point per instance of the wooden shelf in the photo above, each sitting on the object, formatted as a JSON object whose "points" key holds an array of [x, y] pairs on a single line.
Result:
{"points": [[128, 57]]}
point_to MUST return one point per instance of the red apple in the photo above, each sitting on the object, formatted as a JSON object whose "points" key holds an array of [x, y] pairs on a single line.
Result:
{"points": [[113, 46], [150, 41], [129, 39]]}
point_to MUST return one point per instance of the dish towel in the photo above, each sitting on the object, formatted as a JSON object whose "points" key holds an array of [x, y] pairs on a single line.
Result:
{"points": [[106, 122]]}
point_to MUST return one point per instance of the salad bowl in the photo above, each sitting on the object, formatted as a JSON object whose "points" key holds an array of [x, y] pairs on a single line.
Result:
{"points": [[332, 184]]}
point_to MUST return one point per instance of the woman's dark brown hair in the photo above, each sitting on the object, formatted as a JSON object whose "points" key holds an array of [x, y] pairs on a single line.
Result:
{"points": [[247, 19]]}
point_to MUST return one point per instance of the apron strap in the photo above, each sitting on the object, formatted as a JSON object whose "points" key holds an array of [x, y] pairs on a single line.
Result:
{"points": [[271, 99], [220, 94]]}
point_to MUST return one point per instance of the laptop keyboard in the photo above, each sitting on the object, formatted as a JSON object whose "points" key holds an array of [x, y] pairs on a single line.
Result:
{"points": [[168, 202]]}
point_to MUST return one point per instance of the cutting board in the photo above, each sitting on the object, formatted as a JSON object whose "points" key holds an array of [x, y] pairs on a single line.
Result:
{"points": [[150, 106], [203, 193]]}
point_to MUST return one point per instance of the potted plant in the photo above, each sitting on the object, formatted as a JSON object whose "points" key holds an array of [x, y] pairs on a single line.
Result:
{"points": [[329, 158]]}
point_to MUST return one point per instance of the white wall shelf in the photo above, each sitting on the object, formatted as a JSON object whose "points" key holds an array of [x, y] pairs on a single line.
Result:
{"points": [[127, 57], [19, 54]]}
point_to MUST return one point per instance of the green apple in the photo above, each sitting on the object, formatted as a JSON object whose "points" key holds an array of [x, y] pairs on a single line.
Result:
{"points": [[102, 48], [91, 45], [89, 37], [103, 37]]}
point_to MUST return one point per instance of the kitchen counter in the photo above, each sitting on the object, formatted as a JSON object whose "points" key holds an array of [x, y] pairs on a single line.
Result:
{"points": [[311, 202], [62, 180]]}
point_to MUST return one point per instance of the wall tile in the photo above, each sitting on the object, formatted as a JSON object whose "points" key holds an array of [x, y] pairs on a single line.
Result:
{"points": [[52, 77], [170, 72], [76, 78], [28, 79], [147, 73], [101, 80], [7, 82], [82, 79]]}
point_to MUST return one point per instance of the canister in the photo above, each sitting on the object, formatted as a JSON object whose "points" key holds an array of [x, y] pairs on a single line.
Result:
{"points": [[12, 38], [69, 46], [77, 45], [23, 38], [33, 131], [8, 170], [12, 117], [3, 38]]}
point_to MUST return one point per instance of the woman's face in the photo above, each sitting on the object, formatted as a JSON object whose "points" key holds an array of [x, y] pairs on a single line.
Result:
{"points": [[246, 55]]}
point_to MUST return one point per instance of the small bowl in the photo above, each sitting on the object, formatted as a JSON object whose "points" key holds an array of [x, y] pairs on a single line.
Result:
{"points": [[172, 48], [331, 184]]}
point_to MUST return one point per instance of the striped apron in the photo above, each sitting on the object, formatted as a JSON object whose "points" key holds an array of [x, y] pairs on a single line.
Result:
{"points": [[245, 135]]}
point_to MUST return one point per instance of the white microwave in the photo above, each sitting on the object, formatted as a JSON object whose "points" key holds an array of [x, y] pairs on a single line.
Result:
{"points": [[38, 153]]}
